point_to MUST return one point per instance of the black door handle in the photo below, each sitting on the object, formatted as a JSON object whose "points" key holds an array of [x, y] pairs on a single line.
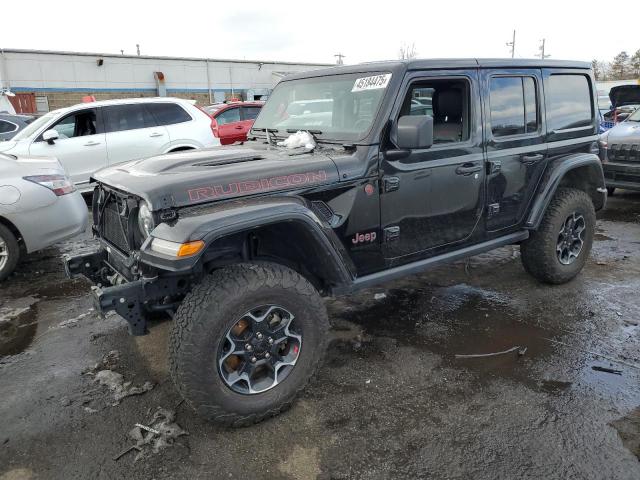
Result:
{"points": [[531, 159], [468, 169]]}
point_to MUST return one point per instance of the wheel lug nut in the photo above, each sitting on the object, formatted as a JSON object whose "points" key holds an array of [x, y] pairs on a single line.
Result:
{"points": [[259, 335], [254, 359], [267, 355], [248, 347], [270, 341]]}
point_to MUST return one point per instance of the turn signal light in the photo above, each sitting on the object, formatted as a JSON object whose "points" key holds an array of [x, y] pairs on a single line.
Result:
{"points": [[174, 249], [190, 248]]}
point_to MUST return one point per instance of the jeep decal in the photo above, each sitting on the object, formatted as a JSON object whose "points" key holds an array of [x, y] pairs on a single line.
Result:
{"points": [[364, 238], [261, 185]]}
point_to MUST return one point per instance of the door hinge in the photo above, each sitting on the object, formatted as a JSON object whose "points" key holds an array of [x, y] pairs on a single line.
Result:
{"points": [[391, 234], [390, 184], [493, 209]]}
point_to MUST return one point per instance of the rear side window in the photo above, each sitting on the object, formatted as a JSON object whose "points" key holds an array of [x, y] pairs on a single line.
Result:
{"points": [[228, 116], [514, 109], [168, 113], [6, 127], [568, 101], [251, 113], [119, 118]]}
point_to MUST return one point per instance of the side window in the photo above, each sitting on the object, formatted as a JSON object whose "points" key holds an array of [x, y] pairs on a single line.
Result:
{"points": [[78, 124], [119, 118], [513, 106], [251, 113], [568, 102], [168, 113], [422, 102], [447, 101], [7, 127], [228, 116]]}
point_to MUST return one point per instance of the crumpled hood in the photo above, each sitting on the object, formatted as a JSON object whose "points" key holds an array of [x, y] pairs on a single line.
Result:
{"points": [[199, 176], [624, 95]]}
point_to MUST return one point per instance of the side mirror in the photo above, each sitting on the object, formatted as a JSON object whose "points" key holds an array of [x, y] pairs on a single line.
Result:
{"points": [[414, 131], [50, 136]]}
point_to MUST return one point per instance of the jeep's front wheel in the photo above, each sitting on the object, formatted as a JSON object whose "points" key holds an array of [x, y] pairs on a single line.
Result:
{"points": [[557, 251], [246, 341]]}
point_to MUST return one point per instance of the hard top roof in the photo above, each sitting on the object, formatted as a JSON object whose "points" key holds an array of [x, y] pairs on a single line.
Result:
{"points": [[441, 63]]}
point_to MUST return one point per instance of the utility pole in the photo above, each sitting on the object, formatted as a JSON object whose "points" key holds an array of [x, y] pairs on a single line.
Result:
{"points": [[121, 52], [339, 58], [138, 48], [541, 48], [512, 44]]}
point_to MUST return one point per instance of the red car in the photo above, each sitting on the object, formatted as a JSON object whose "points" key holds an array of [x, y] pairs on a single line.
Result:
{"points": [[232, 121]]}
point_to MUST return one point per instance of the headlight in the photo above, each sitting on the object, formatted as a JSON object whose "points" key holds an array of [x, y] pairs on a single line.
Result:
{"points": [[145, 220]]}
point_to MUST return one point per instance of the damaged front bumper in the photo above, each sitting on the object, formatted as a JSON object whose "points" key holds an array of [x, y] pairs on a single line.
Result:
{"points": [[133, 300]]}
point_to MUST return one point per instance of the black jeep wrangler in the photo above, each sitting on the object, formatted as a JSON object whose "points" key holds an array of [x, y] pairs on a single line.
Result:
{"points": [[407, 165]]}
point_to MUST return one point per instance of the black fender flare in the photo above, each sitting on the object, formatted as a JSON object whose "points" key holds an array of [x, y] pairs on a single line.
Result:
{"points": [[558, 170], [215, 221]]}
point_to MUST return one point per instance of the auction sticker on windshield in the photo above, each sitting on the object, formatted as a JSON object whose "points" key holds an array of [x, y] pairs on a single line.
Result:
{"points": [[371, 83]]}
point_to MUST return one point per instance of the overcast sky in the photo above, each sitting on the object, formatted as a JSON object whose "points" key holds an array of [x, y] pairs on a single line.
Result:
{"points": [[313, 31]]}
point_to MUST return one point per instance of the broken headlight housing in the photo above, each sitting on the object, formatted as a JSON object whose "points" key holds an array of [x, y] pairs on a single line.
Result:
{"points": [[145, 220]]}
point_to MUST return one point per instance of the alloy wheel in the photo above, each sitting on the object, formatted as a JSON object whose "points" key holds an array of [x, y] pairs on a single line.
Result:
{"points": [[4, 253], [571, 239], [259, 350]]}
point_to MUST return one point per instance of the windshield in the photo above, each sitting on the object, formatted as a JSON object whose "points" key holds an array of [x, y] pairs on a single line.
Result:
{"points": [[336, 107], [35, 126], [634, 117]]}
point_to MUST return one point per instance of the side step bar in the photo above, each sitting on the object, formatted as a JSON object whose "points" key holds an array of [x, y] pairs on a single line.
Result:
{"points": [[421, 265]]}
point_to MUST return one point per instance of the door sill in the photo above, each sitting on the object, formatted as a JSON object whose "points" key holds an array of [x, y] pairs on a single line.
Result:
{"points": [[421, 265]]}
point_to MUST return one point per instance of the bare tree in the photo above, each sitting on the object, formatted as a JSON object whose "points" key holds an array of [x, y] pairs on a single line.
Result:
{"points": [[407, 52]]}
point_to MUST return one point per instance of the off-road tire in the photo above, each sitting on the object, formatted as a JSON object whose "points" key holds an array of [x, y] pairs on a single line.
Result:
{"points": [[13, 250], [205, 316], [538, 252]]}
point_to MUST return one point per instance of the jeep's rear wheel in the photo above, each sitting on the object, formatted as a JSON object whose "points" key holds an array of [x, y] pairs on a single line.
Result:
{"points": [[558, 250], [246, 341]]}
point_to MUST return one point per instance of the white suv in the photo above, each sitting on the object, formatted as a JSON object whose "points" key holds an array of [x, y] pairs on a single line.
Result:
{"points": [[91, 136]]}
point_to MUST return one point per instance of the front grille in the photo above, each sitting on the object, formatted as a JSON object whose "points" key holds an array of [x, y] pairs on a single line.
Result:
{"points": [[113, 224], [624, 152]]}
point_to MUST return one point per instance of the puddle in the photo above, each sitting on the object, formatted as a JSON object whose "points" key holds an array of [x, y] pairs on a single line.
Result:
{"points": [[602, 237], [464, 320], [18, 327], [628, 428], [66, 288], [622, 207], [454, 320]]}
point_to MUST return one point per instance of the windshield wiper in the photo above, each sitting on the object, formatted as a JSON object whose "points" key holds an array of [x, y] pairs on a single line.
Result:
{"points": [[312, 132], [268, 131]]}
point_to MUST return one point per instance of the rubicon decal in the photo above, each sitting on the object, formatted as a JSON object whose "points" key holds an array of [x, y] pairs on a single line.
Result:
{"points": [[255, 186], [363, 238]]}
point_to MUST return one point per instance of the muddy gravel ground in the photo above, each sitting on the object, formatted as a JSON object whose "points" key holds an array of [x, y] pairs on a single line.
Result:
{"points": [[391, 401]]}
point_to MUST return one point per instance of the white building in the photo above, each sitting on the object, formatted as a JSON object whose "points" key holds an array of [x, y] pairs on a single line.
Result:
{"points": [[44, 80]]}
